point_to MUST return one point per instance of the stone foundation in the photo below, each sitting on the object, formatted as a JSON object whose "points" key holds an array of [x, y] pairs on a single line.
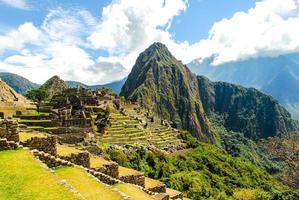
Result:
{"points": [[158, 189], [47, 144], [95, 150], [71, 135], [49, 160], [9, 130], [111, 169], [137, 179], [8, 145], [82, 158], [162, 196]]}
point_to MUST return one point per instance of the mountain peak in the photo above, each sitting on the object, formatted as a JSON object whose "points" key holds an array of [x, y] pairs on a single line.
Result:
{"points": [[54, 85], [164, 85]]}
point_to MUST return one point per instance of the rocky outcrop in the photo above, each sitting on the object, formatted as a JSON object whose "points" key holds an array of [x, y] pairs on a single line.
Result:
{"points": [[161, 83]]}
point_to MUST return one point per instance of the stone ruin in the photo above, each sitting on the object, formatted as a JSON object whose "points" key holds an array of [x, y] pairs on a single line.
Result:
{"points": [[45, 144], [9, 130]]}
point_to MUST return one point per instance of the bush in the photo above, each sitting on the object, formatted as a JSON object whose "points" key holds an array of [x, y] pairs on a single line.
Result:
{"points": [[119, 157]]}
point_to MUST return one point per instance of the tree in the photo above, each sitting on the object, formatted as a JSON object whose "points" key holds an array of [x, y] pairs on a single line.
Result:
{"points": [[37, 96]]}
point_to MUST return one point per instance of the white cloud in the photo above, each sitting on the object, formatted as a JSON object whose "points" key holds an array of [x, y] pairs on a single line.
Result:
{"points": [[16, 39], [59, 49], [20, 4], [268, 29], [127, 27], [66, 42]]}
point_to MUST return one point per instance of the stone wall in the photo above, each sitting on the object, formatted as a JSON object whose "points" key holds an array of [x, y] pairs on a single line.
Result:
{"points": [[7, 145], [137, 179], [9, 130], [47, 144], [111, 169], [94, 150], [82, 158], [71, 135], [161, 196], [77, 122], [50, 160], [159, 189]]}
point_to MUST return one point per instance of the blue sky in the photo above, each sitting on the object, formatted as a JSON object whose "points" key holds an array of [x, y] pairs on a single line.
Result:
{"points": [[98, 41]]}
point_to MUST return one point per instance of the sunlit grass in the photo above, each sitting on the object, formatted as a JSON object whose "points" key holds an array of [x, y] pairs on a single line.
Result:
{"points": [[64, 150], [24, 178], [88, 187], [132, 191], [24, 136]]}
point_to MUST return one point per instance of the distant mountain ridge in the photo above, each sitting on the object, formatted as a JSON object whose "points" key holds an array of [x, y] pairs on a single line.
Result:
{"points": [[20, 84], [163, 84], [276, 76], [115, 86]]}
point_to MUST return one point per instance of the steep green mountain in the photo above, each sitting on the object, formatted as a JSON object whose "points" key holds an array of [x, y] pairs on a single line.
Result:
{"points": [[276, 76], [20, 84], [163, 84], [54, 85], [245, 110]]}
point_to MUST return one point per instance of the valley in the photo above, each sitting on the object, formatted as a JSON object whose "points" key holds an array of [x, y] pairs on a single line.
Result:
{"points": [[169, 134]]}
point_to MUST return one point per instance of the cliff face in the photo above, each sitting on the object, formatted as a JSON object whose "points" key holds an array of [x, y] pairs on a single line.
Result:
{"points": [[163, 84], [245, 110]]}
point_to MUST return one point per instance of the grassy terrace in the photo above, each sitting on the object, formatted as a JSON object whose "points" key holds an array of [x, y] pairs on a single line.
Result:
{"points": [[22, 177], [123, 171], [24, 136], [96, 162], [64, 150], [86, 185], [171, 192], [132, 191], [150, 183]]}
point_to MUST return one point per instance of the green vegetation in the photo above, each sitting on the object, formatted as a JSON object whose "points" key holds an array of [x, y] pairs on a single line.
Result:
{"points": [[38, 96], [202, 173], [87, 186], [23, 177]]}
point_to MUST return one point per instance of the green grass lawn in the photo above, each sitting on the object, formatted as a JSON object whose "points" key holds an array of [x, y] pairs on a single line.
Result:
{"points": [[88, 187], [24, 178], [133, 192]]}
